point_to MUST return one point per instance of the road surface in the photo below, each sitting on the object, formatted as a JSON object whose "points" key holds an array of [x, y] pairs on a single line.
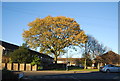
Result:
{"points": [[70, 76]]}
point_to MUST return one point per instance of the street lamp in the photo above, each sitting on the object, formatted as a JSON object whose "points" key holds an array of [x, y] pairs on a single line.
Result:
{"points": [[67, 63]]}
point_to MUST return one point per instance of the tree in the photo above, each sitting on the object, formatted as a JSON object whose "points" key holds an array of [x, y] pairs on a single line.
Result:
{"points": [[21, 55], [36, 60], [53, 34], [79, 61], [92, 49], [99, 59]]}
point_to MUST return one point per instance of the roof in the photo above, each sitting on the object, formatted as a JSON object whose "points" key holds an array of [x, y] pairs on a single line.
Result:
{"points": [[72, 59], [110, 53], [8, 45], [43, 55], [13, 47]]}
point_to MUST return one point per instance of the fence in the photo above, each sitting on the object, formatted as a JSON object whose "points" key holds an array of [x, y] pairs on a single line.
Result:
{"points": [[19, 67]]}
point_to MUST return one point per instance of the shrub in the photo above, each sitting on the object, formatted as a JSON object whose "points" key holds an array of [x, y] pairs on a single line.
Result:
{"points": [[40, 67]]}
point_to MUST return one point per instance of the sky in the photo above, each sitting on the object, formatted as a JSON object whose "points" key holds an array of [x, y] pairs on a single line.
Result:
{"points": [[99, 19], [60, 0]]}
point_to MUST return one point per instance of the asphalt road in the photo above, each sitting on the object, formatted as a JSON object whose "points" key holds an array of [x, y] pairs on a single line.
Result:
{"points": [[70, 76]]}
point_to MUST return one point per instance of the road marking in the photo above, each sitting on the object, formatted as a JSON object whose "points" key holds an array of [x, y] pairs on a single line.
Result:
{"points": [[117, 77], [75, 78]]}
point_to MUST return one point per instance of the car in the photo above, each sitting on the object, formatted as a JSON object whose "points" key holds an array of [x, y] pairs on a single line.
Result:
{"points": [[109, 68]]}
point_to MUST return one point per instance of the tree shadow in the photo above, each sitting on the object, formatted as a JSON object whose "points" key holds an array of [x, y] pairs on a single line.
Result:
{"points": [[77, 76]]}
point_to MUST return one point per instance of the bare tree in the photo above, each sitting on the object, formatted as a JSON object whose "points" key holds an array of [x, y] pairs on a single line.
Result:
{"points": [[92, 49]]}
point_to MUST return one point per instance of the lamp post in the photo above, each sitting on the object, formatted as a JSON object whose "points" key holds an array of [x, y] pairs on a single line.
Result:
{"points": [[85, 54], [67, 63]]}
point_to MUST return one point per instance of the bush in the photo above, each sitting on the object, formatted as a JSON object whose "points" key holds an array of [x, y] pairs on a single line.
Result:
{"points": [[40, 68], [36, 60], [21, 55]]}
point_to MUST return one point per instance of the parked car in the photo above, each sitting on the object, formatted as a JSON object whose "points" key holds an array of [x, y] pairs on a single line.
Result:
{"points": [[109, 68]]}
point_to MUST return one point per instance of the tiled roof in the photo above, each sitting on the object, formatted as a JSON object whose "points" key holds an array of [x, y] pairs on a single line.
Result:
{"points": [[64, 59], [110, 52]]}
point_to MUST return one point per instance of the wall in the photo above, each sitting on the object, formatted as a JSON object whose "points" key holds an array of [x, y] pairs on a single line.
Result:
{"points": [[19, 67]]}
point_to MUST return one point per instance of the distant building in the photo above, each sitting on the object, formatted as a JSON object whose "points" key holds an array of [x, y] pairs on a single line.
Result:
{"points": [[109, 57], [6, 48], [70, 61]]}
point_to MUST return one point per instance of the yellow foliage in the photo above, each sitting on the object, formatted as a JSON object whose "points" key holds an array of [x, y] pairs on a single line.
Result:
{"points": [[54, 32]]}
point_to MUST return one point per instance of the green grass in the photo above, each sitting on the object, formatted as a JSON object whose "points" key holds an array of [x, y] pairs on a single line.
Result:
{"points": [[74, 69], [80, 69], [84, 70]]}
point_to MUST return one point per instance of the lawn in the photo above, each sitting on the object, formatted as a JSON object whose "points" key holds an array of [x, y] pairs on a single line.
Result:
{"points": [[75, 69], [84, 70]]}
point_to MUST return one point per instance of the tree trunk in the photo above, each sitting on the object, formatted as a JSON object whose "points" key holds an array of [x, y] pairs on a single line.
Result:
{"points": [[55, 59], [85, 64], [98, 66]]}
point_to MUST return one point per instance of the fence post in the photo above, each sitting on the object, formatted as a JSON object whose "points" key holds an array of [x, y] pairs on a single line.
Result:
{"points": [[34, 68], [22, 67], [3, 65], [15, 66], [9, 66], [28, 67]]}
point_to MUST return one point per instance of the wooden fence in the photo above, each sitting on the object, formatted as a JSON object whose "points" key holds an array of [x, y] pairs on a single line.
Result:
{"points": [[19, 67]]}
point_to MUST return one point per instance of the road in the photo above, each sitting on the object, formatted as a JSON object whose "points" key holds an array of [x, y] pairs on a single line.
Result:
{"points": [[70, 76]]}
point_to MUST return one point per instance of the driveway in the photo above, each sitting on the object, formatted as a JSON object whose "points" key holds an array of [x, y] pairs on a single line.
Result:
{"points": [[70, 76]]}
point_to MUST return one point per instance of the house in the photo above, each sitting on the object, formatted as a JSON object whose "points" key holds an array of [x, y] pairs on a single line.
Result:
{"points": [[6, 48], [70, 61], [109, 57]]}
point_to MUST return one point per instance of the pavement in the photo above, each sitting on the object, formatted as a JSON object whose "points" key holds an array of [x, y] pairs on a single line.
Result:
{"points": [[70, 76]]}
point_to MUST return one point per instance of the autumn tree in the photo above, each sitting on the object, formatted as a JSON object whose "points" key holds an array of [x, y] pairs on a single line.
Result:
{"points": [[53, 34]]}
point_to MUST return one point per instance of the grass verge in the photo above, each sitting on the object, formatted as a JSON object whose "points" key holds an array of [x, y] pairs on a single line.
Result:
{"points": [[75, 70], [84, 70]]}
